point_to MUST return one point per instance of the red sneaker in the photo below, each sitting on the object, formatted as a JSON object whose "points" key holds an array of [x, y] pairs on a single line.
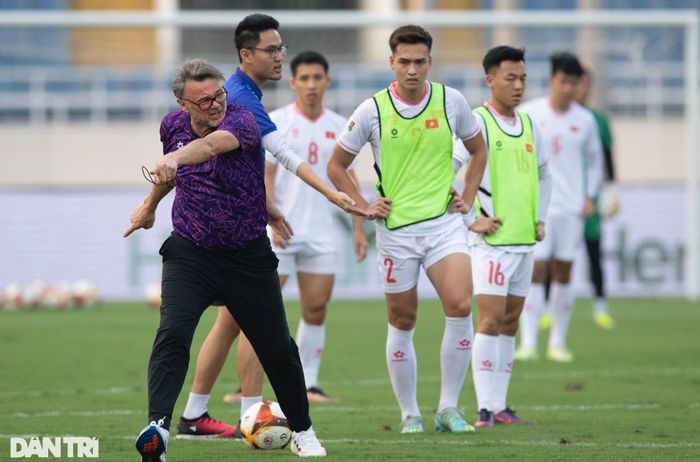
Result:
{"points": [[205, 428]]}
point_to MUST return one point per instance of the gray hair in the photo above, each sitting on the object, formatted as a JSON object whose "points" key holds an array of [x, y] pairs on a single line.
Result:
{"points": [[194, 69]]}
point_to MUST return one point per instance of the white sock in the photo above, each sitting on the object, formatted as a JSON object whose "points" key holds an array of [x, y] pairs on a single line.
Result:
{"points": [[530, 317], [403, 367], [600, 306], [484, 366], [455, 353], [506, 350], [310, 340], [561, 299], [247, 401], [196, 406]]}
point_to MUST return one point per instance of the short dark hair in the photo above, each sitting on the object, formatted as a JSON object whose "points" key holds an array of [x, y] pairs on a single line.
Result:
{"points": [[308, 57], [247, 33], [566, 63], [495, 56], [410, 34]]}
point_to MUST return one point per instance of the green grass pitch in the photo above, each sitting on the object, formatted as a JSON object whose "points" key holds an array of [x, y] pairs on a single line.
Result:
{"points": [[632, 394]]}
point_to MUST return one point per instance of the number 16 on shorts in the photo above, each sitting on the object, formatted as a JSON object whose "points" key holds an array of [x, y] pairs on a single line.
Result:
{"points": [[497, 272]]}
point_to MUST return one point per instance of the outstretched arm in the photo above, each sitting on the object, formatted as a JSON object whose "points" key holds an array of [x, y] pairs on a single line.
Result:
{"points": [[144, 215], [278, 147]]}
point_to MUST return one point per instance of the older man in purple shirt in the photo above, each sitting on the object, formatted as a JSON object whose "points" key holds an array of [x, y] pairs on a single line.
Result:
{"points": [[218, 250]]}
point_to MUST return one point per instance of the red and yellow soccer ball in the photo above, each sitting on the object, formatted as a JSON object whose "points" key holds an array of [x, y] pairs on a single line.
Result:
{"points": [[264, 426]]}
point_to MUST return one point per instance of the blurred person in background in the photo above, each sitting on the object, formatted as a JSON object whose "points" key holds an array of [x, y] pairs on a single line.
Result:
{"points": [[218, 249], [410, 126], [605, 204], [571, 137]]}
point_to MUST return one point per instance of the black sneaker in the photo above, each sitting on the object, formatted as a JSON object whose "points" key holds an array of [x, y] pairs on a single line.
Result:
{"points": [[317, 395]]}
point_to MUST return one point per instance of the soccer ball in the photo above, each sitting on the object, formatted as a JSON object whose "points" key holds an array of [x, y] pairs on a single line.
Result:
{"points": [[85, 294], [152, 295], [264, 426]]}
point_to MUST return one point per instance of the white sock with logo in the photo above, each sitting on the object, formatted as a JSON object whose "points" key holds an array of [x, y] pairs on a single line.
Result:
{"points": [[455, 353], [484, 365], [530, 318], [403, 367], [506, 350], [311, 339], [247, 401], [196, 406], [562, 301]]}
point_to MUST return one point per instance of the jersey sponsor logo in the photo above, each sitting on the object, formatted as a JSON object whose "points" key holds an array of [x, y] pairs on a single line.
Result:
{"points": [[394, 132], [431, 123], [330, 134], [179, 144]]}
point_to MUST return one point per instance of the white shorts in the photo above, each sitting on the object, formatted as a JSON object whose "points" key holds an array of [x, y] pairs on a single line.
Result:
{"points": [[400, 257], [307, 257], [563, 234], [495, 271]]}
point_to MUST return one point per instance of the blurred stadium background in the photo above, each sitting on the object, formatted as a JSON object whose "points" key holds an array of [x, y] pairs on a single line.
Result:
{"points": [[83, 85]]}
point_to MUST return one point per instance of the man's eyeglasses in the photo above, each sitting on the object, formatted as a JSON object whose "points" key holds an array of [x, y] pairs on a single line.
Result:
{"points": [[273, 52], [205, 104]]}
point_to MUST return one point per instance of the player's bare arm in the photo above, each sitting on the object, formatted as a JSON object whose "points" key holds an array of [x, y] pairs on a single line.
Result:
{"points": [[196, 152], [475, 167], [587, 209], [144, 215], [540, 230], [486, 225], [457, 204], [359, 241]]}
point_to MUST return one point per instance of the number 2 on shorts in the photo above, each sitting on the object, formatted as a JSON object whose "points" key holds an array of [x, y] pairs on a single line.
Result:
{"points": [[389, 264]]}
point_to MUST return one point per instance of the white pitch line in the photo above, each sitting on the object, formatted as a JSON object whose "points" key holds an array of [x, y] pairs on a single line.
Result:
{"points": [[351, 409], [470, 440], [382, 381]]}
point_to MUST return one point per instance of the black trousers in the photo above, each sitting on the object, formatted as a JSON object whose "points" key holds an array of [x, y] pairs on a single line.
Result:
{"points": [[595, 267], [246, 280]]}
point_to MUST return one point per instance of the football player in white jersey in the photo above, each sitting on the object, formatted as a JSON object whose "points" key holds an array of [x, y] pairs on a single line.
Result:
{"points": [[310, 129], [410, 127], [571, 135], [512, 205]]}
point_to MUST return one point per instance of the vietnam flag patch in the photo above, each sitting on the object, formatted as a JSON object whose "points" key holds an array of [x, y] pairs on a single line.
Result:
{"points": [[528, 147], [330, 134], [431, 123]]}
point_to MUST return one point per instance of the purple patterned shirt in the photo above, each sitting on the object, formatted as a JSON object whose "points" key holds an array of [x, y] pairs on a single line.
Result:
{"points": [[219, 204]]}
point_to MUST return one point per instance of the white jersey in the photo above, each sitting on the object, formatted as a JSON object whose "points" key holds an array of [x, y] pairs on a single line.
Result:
{"points": [[363, 127], [308, 212], [512, 126], [576, 154]]}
